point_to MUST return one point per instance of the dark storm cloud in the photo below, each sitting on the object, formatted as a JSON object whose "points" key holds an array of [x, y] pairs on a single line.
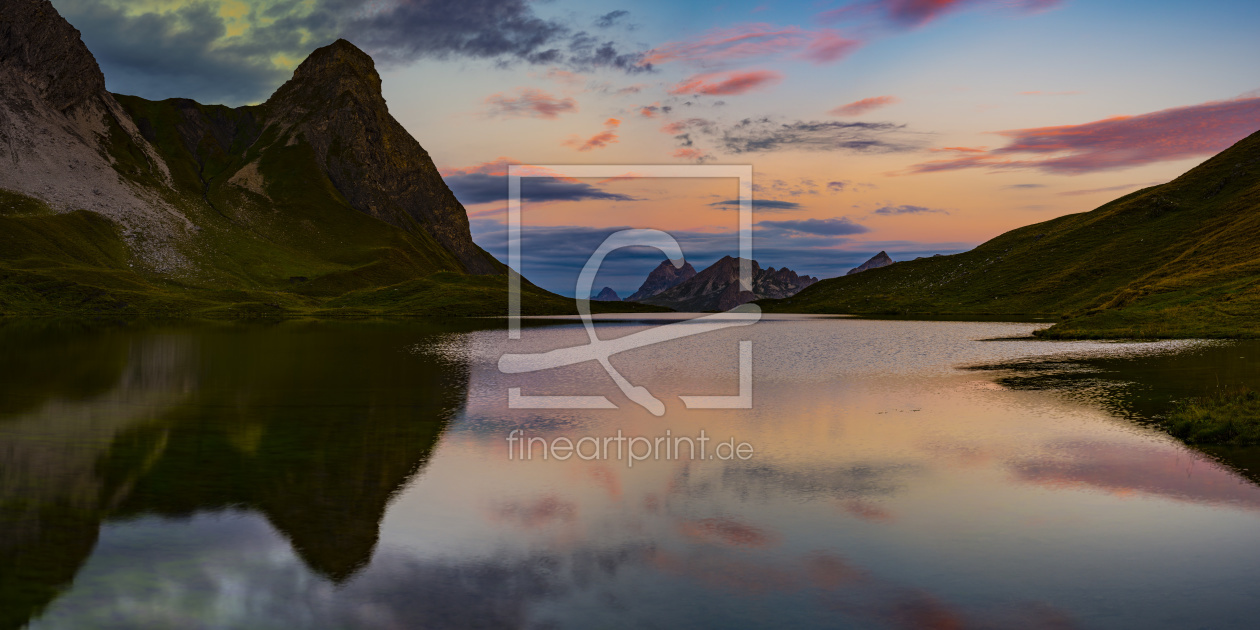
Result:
{"points": [[186, 51], [174, 53], [474, 188], [763, 135], [819, 227], [907, 209], [765, 205], [611, 18]]}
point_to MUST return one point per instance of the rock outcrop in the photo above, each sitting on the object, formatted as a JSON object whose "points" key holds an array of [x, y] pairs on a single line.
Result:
{"points": [[666, 276], [878, 260]]}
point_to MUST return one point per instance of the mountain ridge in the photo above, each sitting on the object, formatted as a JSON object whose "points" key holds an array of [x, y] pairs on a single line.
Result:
{"points": [[717, 287], [316, 201], [1175, 260]]}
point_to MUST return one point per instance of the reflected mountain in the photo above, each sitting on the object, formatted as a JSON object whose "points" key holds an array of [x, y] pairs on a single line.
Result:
{"points": [[315, 426]]}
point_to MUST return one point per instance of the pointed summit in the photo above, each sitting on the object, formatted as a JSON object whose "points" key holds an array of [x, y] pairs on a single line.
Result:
{"points": [[878, 260], [328, 73], [333, 107], [606, 295]]}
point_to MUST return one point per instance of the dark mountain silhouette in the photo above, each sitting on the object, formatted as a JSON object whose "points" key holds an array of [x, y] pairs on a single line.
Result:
{"points": [[717, 288], [607, 295], [665, 276]]}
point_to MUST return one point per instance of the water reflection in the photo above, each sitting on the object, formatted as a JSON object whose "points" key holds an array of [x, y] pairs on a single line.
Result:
{"points": [[331, 476], [314, 431]]}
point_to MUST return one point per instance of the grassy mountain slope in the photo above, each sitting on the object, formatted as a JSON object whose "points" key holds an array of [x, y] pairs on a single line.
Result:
{"points": [[1177, 260], [316, 201]]}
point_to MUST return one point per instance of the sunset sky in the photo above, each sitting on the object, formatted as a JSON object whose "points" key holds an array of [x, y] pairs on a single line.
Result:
{"points": [[912, 126]]}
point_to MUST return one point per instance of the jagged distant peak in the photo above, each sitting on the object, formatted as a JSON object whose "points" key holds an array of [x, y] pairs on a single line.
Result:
{"points": [[881, 259]]}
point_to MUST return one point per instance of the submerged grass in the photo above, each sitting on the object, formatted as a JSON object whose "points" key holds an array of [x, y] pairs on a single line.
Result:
{"points": [[1225, 418]]}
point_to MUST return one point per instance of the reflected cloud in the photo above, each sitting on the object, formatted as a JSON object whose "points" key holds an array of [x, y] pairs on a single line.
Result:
{"points": [[726, 531], [1123, 470]]}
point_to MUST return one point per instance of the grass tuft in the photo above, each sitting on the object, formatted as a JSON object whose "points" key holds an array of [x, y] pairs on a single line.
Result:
{"points": [[1226, 418]]}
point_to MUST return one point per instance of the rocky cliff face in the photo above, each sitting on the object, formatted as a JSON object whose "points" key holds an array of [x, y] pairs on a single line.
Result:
{"points": [[334, 102], [717, 288], [229, 197], [57, 126], [878, 260], [665, 276]]}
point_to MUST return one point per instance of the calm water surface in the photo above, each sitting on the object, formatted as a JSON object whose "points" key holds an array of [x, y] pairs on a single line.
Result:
{"points": [[905, 475]]}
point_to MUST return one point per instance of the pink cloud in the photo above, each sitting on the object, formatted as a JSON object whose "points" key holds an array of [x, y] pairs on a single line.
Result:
{"points": [[1092, 191], [857, 108], [1118, 142], [915, 13], [599, 140], [727, 531], [1041, 93], [754, 40], [829, 46], [565, 77], [728, 83], [529, 102], [1126, 470]]}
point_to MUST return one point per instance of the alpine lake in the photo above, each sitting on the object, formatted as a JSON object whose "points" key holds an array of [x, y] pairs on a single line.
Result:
{"points": [[898, 474]]}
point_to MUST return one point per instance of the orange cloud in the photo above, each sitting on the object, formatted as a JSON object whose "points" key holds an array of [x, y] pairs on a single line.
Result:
{"points": [[597, 141], [529, 102], [857, 108], [726, 84], [690, 153]]}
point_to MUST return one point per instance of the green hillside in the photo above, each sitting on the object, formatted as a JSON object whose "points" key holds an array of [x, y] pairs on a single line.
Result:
{"points": [[78, 264], [315, 203], [1177, 260]]}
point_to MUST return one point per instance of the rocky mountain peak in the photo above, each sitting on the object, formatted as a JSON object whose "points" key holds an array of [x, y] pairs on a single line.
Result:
{"points": [[340, 65], [666, 276], [333, 104], [43, 50], [329, 73], [717, 287], [878, 260]]}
